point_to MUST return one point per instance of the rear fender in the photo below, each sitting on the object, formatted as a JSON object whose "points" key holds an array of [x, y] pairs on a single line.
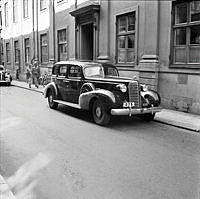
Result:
{"points": [[50, 86], [85, 98]]}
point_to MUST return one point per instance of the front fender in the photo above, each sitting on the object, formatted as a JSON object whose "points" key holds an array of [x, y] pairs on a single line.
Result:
{"points": [[50, 86], [85, 98], [151, 93]]}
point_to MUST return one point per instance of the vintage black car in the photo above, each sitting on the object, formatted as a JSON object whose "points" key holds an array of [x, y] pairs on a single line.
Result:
{"points": [[5, 77], [98, 88]]}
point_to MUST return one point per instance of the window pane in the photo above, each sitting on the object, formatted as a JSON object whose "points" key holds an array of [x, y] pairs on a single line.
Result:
{"points": [[121, 56], [180, 36], [194, 54], [130, 56], [181, 14], [122, 24], [195, 10], [195, 35], [131, 39], [122, 42], [131, 22], [180, 55]]}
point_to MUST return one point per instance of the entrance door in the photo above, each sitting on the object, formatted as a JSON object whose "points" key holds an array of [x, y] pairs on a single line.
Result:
{"points": [[87, 44]]}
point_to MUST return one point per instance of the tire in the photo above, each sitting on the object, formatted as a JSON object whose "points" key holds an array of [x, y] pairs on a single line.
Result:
{"points": [[100, 114], [147, 117], [51, 97]]}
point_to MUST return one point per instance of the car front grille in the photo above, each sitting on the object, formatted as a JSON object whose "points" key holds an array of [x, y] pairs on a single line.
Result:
{"points": [[133, 89]]}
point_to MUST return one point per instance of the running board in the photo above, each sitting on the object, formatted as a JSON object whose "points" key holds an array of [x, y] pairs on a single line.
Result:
{"points": [[67, 103]]}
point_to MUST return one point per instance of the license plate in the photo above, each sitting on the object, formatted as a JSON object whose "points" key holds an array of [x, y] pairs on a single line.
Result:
{"points": [[128, 104]]}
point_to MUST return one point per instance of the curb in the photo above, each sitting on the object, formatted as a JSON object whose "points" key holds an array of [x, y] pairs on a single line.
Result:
{"points": [[27, 88], [178, 126]]}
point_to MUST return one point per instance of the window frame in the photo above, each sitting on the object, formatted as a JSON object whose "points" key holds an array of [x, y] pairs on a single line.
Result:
{"points": [[62, 43], [188, 25], [127, 12], [16, 51], [25, 9], [15, 13], [27, 47], [44, 46], [43, 5], [6, 14], [8, 52]]}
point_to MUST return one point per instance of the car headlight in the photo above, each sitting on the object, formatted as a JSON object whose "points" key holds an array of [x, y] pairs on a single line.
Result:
{"points": [[145, 87], [122, 87]]}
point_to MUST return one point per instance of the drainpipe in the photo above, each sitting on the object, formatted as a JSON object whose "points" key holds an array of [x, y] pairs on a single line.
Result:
{"points": [[33, 21], [54, 41], [37, 34]]}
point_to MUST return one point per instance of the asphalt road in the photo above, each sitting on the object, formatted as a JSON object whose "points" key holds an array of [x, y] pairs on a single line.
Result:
{"points": [[50, 154]]}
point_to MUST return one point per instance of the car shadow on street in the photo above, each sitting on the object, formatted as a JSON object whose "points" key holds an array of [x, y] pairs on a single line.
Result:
{"points": [[116, 121]]}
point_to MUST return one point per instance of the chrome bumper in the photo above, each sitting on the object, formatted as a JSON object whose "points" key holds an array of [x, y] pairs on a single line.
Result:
{"points": [[137, 111]]}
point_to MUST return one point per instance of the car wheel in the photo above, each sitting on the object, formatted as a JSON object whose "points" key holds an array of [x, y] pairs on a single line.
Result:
{"points": [[147, 117], [51, 103], [100, 114]]}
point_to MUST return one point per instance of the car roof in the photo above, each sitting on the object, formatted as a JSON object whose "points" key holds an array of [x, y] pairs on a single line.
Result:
{"points": [[77, 62], [84, 63]]}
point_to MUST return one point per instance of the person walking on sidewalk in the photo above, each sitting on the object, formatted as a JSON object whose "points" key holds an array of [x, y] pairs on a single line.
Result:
{"points": [[29, 75], [35, 73]]}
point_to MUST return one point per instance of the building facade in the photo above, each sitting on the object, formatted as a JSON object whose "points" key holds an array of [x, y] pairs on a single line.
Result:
{"points": [[156, 41]]}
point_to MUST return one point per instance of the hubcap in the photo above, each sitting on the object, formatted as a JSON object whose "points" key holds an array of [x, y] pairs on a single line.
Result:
{"points": [[98, 111], [50, 98]]}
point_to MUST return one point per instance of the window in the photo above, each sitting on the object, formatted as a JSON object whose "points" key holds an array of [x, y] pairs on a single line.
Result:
{"points": [[25, 8], [44, 48], [62, 45], [27, 48], [63, 70], [16, 47], [43, 4], [75, 71], [187, 33], [6, 13], [15, 11], [8, 53], [0, 20], [126, 38]]}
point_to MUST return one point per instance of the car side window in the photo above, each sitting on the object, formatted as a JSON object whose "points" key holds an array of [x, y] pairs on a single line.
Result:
{"points": [[74, 71], [63, 70], [55, 70]]}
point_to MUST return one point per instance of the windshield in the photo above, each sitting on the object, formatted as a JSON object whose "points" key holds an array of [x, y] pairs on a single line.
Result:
{"points": [[110, 71], [94, 71]]}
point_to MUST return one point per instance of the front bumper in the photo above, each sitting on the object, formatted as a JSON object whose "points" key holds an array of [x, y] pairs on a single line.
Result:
{"points": [[137, 111]]}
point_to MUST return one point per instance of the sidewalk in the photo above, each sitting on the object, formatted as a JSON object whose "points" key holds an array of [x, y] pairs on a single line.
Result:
{"points": [[166, 116]]}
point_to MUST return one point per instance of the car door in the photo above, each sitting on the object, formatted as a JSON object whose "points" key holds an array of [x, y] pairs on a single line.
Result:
{"points": [[75, 76], [61, 81]]}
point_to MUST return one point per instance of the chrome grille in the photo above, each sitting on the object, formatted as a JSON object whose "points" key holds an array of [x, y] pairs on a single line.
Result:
{"points": [[133, 89]]}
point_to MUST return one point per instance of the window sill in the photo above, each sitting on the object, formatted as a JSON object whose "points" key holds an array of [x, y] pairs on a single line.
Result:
{"points": [[187, 66], [125, 65]]}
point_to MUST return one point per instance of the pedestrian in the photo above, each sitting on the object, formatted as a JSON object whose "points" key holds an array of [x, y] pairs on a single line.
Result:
{"points": [[29, 76], [35, 74]]}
